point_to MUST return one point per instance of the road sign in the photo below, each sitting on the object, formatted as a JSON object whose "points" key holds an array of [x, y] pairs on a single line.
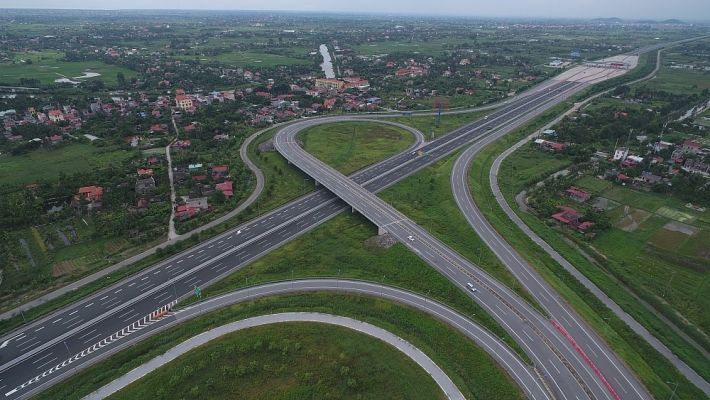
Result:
{"points": [[198, 292]]}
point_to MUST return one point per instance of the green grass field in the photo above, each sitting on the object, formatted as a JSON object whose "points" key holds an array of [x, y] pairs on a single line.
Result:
{"points": [[46, 164], [592, 184], [53, 68], [288, 360], [349, 147], [254, 58], [680, 81]]}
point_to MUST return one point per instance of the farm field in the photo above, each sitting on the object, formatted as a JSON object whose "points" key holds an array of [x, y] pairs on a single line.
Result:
{"points": [[254, 58], [46, 164], [592, 184], [654, 237], [53, 68]]}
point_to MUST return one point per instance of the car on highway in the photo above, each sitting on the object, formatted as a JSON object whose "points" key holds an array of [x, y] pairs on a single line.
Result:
{"points": [[470, 286], [410, 238]]}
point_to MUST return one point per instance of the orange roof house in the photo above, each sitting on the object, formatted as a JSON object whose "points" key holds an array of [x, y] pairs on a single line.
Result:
{"points": [[91, 193]]}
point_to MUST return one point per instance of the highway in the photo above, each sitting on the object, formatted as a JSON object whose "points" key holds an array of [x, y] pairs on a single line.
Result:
{"points": [[546, 342], [42, 345], [39, 347], [525, 376]]}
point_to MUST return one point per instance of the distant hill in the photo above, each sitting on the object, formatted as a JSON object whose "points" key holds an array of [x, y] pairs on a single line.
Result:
{"points": [[668, 21], [609, 20]]}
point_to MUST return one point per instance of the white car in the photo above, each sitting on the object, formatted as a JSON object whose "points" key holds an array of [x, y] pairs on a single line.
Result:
{"points": [[470, 286], [410, 238]]}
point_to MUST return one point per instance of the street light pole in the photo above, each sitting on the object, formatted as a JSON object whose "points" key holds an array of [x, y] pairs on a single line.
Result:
{"points": [[382, 284], [607, 325], [174, 290], [426, 297], [669, 284], [337, 282], [676, 388], [23, 314], [480, 252], [472, 315]]}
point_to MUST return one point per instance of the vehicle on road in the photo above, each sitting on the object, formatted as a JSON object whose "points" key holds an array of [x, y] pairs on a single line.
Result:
{"points": [[410, 238], [470, 286]]}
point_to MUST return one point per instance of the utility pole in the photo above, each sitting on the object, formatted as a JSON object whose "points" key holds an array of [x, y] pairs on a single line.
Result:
{"points": [[669, 284]]}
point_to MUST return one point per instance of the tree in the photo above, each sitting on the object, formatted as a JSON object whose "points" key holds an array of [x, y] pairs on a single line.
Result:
{"points": [[121, 79]]}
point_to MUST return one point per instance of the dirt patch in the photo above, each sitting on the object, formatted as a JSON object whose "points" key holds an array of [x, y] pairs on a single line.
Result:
{"points": [[632, 221], [667, 239], [269, 145], [381, 241], [65, 267], [681, 227]]}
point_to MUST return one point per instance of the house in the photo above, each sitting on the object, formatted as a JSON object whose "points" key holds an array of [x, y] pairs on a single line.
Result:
{"points": [[329, 83], [218, 171], [544, 144], [56, 116], [567, 215], [329, 103], [147, 172], [194, 167], [220, 137], [225, 188], [144, 186], [54, 139], [621, 153], [152, 161], [91, 193], [181, 144], [183, 102], [578, 195], [691, 147], [199, 178], [199, 203]]}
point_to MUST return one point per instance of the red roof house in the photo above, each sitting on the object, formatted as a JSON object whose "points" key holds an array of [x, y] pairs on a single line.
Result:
{"points": [[578, 195], [226, 188], [91, 193]]}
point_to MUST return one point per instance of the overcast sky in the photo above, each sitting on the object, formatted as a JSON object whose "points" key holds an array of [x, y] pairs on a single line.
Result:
{"points": [[688, 10]]}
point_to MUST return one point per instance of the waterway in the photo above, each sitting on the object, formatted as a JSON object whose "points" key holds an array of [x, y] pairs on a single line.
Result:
{"points": [[327, 65]]}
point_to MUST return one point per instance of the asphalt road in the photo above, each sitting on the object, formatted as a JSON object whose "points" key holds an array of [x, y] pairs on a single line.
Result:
{"points": [[516, 263], [512, 312], [39, 347], [527, 377]]}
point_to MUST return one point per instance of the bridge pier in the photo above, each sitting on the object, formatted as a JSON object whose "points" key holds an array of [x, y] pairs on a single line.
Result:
{"points": [[381, 231]]}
